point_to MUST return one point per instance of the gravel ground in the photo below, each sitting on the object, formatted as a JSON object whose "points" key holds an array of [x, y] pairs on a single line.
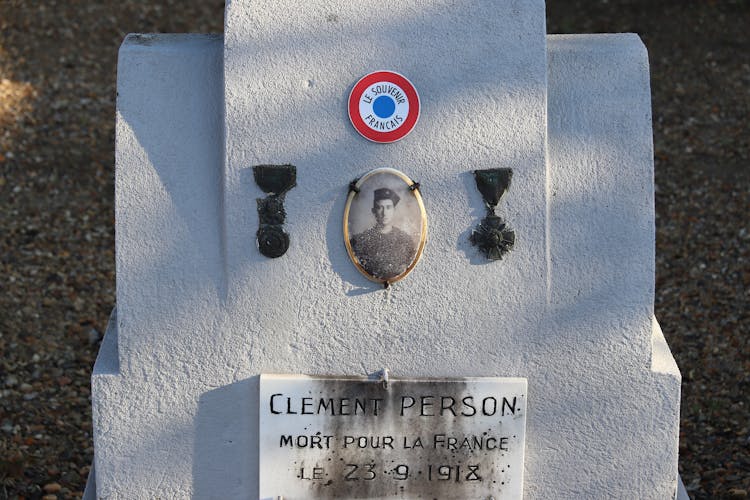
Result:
{"points": [[57, 75]]}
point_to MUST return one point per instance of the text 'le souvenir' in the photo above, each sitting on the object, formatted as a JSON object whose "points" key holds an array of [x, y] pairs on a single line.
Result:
{"points": [[383, 106]]}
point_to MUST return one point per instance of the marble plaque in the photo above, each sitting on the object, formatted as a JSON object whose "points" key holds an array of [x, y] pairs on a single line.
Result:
{"points": [[354, 437]]}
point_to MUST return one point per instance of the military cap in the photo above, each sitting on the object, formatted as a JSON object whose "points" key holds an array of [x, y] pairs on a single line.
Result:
{"points": [[386, 194]]}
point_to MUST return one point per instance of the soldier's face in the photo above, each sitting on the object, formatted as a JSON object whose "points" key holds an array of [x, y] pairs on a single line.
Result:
{"points": [[383, 211]]}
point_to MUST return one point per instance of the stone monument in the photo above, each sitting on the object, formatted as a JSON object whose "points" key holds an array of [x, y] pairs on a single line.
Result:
{"points": [[222, 281]]}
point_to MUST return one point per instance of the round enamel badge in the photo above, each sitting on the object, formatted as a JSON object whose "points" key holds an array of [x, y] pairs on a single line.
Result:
{"points": [[383, 106]]}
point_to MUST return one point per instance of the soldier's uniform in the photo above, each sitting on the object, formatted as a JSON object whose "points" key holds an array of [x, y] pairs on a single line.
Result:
{"points": [[384, 255]]}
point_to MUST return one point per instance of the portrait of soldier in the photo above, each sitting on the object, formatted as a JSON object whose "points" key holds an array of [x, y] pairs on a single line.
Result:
{"points": [[384, 250]]}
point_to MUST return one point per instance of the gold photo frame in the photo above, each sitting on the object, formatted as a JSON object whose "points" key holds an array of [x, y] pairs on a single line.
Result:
{"points": [[385, 225]]}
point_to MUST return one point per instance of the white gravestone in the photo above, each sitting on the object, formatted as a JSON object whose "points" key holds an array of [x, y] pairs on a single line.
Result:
{"points": [[201, 313]]}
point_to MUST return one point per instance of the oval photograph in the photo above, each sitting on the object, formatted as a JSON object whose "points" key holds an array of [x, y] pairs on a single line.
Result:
{"points": [[385, 225]]}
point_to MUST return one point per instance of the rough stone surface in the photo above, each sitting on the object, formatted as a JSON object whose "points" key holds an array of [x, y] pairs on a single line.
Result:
{"points": [[201, 313]]}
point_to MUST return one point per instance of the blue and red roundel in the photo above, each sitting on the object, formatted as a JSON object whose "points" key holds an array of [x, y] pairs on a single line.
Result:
{"points": [[383, 106]]}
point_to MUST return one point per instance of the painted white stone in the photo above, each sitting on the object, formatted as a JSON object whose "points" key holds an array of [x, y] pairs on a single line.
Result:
{"points": [[200, 313]]}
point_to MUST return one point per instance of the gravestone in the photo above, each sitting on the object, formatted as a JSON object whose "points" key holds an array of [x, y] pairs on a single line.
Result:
{"points": [[183, 404]]}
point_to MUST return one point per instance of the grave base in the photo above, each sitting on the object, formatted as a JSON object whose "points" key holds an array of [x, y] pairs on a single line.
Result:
{"points": [[89, 493]]}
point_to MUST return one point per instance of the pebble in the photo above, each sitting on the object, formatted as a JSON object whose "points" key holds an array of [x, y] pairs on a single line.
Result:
{"points": [[52, 488], [94, 336]]}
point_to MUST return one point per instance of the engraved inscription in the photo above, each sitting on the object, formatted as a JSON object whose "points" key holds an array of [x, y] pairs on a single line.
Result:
{"points": [[354, 438]]}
